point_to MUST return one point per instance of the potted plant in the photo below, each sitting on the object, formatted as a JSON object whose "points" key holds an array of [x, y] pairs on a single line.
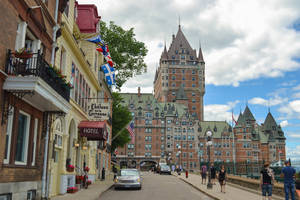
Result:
{"points": [[86, 169], [89, 182], [23, 53], [297, 182], [70, 168], [79, 179], [72, 189]]}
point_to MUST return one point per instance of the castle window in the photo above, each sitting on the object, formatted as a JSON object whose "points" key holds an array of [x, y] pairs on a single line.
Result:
{"points": [[183, 78], [192, 57], [182, 51], [173, 71], [173, 93], [187, 52], [193, 94], [193, 85], [182, 57], [173, 84], [173, 77], [193, 78], [176, 52], [193, 71], [173, 57], [183, 85], [194, 107], [183, 71], [182, 63], [193, 100]]}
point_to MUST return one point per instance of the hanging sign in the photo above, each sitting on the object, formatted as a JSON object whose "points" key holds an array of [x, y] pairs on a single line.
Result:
{"points": [[98, 111]]}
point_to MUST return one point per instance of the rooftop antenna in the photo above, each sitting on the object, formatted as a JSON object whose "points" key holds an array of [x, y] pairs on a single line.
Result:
{"points": [[269, 106], [179, 21]]}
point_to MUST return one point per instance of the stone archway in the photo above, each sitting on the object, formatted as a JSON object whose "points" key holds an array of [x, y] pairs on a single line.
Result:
{"points": [[146, 165]]}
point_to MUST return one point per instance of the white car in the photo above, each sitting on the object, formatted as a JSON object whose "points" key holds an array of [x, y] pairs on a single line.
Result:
{"points": [[128, 178]]}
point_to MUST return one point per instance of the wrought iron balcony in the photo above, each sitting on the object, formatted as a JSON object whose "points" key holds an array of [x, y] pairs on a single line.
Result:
{"points": [[35, 66]]}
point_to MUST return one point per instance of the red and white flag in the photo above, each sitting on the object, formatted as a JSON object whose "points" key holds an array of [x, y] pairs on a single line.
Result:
{"points": [[234, 119], [130, 128]]}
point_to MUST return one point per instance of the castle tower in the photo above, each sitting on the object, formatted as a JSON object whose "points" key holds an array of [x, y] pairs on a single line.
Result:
{"points": [[181, 69]]}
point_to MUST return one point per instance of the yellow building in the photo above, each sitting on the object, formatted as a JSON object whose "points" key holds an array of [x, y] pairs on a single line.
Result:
{"points": [[79, 61]]}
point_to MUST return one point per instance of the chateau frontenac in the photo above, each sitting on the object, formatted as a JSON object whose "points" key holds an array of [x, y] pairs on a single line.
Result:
{"points": [[170, 123]]}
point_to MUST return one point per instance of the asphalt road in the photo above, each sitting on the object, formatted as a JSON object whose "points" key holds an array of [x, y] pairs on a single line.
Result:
{"points": [[157, 187]]}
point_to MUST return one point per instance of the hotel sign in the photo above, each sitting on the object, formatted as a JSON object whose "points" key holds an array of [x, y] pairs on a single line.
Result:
{"points": [[98, 111]]}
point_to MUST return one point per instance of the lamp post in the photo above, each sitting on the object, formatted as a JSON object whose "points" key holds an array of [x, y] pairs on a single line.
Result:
{"points": [[178, 153], [209, 143]]}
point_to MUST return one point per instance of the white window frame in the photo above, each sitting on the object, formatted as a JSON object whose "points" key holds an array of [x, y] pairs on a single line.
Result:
{"points": [[9, 133], [21, 35], [26, 140], [36, 122]]}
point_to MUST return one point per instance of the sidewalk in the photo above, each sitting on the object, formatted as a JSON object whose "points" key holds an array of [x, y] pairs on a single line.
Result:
{"points": [[233, 192], [92, 193]]}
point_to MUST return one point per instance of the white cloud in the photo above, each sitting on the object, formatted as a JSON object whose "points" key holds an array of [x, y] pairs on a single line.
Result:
{"points": [[237, 44], [271, 102], [293, 152], [219, 112], [291, 109], [296, 88], [284, 123]]}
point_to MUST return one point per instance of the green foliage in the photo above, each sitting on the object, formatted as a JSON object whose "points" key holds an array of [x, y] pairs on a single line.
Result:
{"points": [[120, 118], [125, 50]]}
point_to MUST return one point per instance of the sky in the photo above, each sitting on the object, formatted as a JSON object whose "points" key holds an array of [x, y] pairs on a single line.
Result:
{"points": [[251, 50]]}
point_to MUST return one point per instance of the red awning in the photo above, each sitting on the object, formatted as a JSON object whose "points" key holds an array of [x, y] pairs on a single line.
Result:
{"points": [[93, 130]]}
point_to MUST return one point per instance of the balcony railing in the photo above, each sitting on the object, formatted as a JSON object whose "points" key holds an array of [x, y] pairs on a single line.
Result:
{"points": [[36, 66]]}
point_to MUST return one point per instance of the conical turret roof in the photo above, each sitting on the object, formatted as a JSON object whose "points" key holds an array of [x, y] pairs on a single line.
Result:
{"points": [[200, 56], [180, 42], [270, 122], [241, 120], [248, 114]]}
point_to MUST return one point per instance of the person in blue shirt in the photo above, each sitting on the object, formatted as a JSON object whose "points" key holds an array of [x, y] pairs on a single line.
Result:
{"points": [[289, 180]]}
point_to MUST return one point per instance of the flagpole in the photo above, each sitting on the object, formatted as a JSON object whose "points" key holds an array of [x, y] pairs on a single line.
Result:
{"points": [[233, 146], [120, 131]]}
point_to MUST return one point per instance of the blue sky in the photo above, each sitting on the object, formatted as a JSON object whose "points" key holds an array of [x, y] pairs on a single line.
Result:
{"points": [[251, 50]]}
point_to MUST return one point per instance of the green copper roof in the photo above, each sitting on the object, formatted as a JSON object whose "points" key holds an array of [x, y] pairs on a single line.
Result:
{"points": [[180, 95], [248, 114], [216, 127]]}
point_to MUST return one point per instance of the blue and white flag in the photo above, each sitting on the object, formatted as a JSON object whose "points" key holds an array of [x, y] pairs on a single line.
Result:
{"points": [[109, 73], [97, 39]]}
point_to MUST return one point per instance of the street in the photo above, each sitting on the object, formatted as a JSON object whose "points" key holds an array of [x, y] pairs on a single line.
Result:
{"points": [[157, 186]]}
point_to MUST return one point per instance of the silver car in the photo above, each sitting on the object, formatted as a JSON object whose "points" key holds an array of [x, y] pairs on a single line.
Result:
{"points": [[128, 178]]}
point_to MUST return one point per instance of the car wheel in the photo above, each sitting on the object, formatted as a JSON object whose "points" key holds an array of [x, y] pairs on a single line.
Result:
{"points": [[139, 188]]}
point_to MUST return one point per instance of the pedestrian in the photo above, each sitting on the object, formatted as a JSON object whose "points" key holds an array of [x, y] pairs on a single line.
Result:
{"points": [[288, 173], [222, 178], [203, 173], [266, 181], [115, 171], [213, 173]]}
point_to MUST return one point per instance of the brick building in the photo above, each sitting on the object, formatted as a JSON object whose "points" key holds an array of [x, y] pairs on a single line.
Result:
{"points": [[30, 98], [171, 121]]}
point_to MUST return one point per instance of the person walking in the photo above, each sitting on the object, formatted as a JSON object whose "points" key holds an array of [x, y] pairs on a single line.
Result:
{"points": [[222, 178], [288, 173], [213, 173], [115, 171], [203, 173], [266, 181]]}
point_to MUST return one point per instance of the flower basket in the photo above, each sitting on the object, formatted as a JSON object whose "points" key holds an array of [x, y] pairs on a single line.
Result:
{"points": [[86, 169], [89, 182], [72, 189], [23, 54], [70, 168], [79, 179]]}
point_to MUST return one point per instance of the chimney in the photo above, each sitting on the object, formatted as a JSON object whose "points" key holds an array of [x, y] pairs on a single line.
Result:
{"points": [[139, 91]]}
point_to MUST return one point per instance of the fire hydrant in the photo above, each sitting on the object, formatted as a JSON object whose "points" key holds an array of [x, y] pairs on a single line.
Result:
{"points": [[186, 174]]}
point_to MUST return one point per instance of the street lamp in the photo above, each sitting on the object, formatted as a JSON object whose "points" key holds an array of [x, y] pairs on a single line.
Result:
{"points": [[178, 153], [209, 143]]}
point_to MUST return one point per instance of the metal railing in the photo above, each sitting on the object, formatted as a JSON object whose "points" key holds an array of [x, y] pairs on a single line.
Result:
{"points": [[36, 66]]}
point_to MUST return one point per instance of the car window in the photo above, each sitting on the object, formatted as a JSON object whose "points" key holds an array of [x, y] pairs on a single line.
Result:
{"points": [[129, 173]]}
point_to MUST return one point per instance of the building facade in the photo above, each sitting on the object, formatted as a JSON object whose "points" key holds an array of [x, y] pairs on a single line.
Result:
{"points": [[32, 94], [48, 76]]}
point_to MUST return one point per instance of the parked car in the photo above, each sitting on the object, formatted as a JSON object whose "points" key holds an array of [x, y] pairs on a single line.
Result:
{"points": [[128, 178], [165, 169]]}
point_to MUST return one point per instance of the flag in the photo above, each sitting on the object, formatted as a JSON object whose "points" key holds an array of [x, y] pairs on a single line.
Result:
{"points": [[116, 152], [130, 128], [97, 39], [109, 73], [108, 59], [234, 119], [103, 49]]}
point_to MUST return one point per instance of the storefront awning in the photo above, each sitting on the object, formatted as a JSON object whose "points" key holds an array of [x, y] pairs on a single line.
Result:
{"points": [[93, 130]]}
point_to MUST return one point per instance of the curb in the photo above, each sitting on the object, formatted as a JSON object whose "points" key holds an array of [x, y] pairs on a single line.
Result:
{"points": [[108, 188], [206, 193]]}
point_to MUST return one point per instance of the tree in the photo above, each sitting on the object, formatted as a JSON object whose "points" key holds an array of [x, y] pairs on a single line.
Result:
{"points": [[120, 118], [127, 53]]}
